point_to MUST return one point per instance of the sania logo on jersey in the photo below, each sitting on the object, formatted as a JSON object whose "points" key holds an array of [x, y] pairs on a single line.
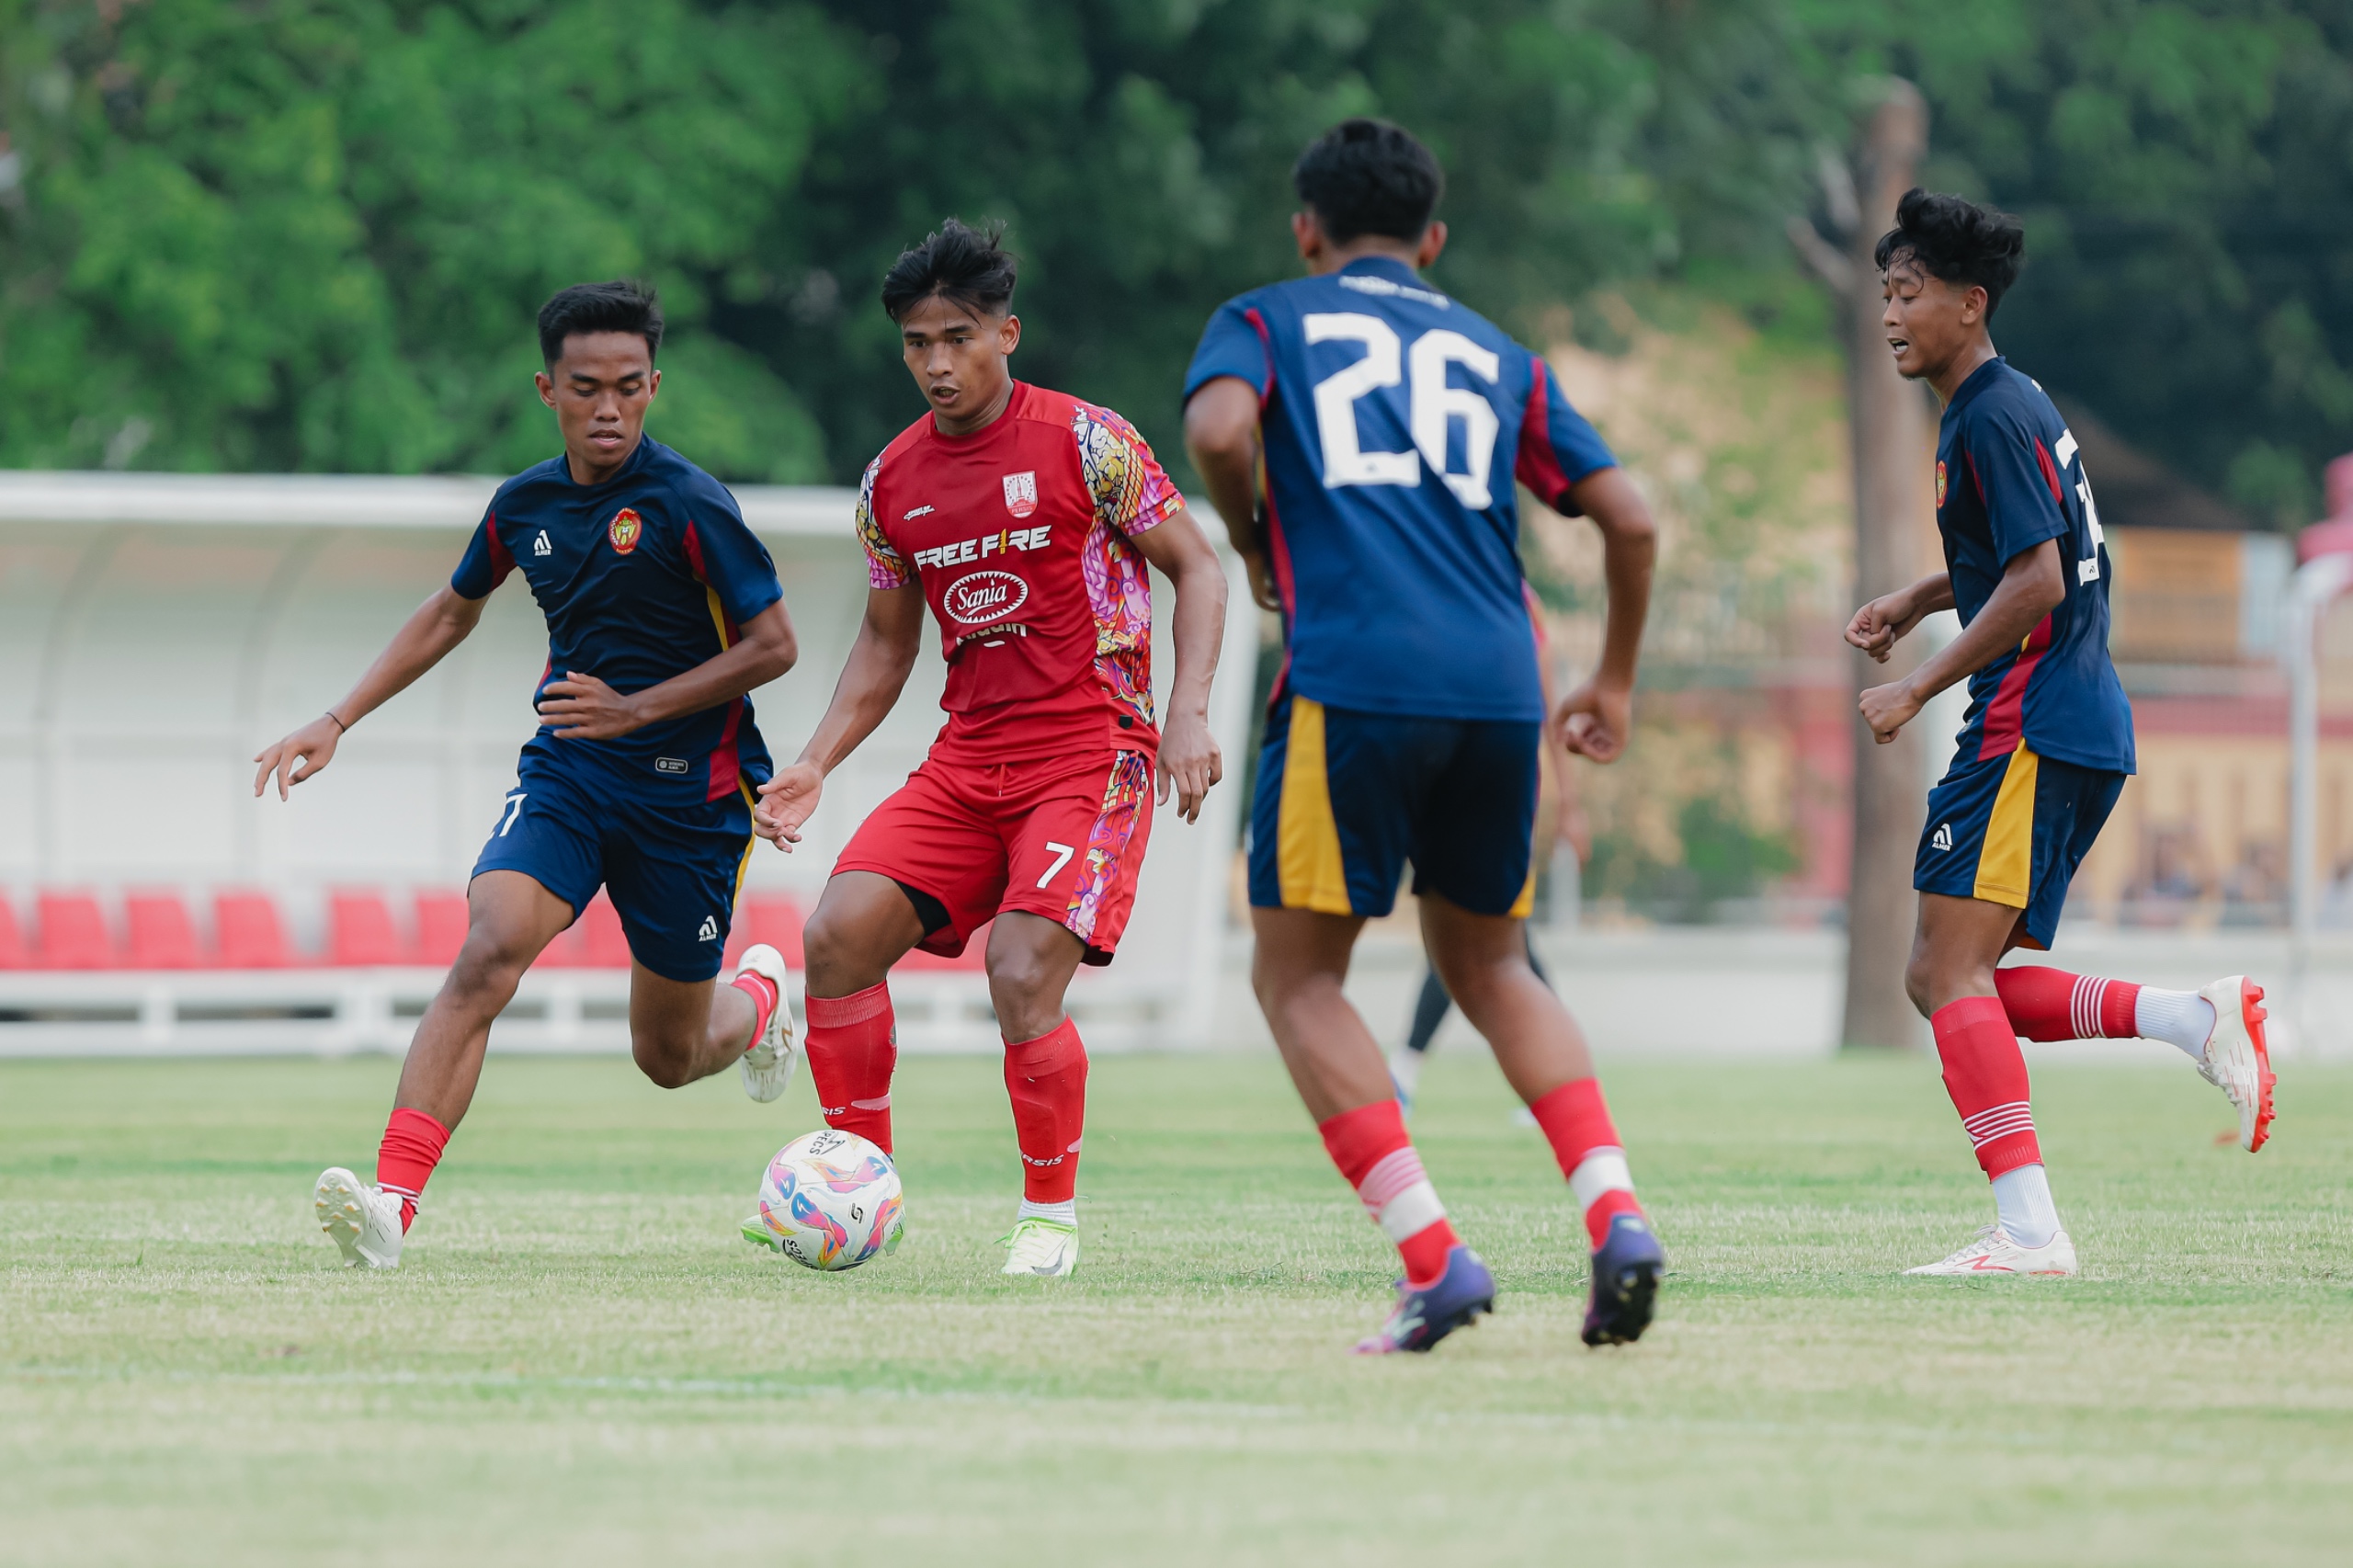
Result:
{"points": [[1021, 493], [977, 596], [541, 546], [625, 529]]}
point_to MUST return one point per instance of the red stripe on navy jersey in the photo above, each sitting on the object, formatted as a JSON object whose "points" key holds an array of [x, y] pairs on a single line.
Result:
{"points": [[1268, 343], [1539, 467], [2049, 473], [1973, 477], [694, 553], [501, 561], [2005, 715], [726, 768]]}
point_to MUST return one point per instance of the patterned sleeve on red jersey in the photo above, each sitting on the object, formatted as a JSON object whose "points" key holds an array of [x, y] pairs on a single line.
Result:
{"points": [[885, 567], [1131, 491]]}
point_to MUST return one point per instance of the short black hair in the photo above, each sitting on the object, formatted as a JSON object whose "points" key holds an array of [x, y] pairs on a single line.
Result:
{"points": [[622, 305], [961, 263], [1954, 238], [1368, 176]]}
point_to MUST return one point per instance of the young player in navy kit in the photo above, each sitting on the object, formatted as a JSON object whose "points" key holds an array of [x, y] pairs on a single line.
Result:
{"points": [[662, 610], [2044, 751], [1405, 724]]}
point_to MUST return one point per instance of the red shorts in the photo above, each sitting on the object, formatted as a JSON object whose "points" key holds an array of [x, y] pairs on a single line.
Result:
{"points": [[1059, 836]]}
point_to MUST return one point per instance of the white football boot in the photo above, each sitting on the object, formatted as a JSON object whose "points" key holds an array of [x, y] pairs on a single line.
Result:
{"points": [[2238, 1057], [767, 1066], [1994, 1253], [1043, 1249], [363, 1220]]}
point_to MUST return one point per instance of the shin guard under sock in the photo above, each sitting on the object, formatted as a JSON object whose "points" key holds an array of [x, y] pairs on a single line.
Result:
{"points": [[1985, 1075], [1575, 1120], [1369, 1146], [1046, 1080], [853, 1049]]}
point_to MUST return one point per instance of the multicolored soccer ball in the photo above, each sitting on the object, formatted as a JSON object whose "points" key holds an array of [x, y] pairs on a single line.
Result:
{"points": [[830, 1201]]}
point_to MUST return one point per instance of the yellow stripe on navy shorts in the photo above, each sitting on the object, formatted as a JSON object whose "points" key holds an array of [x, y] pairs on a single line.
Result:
{"points": [[1307, 838], [2005, 865]]}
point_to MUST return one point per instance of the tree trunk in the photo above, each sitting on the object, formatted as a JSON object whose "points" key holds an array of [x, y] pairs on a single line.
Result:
{"points": [[1890, 432]]}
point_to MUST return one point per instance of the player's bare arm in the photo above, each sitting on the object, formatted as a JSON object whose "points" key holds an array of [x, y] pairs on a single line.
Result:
{"points": [[2033, 584], [1595, 719], [439, 624], [1881, 624], [1221, 437], [1189, 760], [888, 639], [580, 707]]}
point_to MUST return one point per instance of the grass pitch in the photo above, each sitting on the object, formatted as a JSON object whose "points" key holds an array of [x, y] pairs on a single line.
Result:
{"points": [[580, 1363]]}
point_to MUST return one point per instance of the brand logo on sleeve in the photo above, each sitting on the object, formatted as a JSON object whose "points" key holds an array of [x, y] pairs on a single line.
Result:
{"points": [[541, 546], [624, 529], [918, 512], [1940, 483], [1021, 493], [978, 596]]}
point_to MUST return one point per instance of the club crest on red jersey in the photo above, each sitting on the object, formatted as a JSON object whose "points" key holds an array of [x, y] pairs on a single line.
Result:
{"points": [[624, 529], [1021, 493], [1940, 483]]}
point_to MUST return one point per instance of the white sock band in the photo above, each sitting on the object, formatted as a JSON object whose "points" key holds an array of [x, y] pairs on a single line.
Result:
{"points": [[1063, 1213], [2183, 1019], [1399, 1196], [1602, 1170], [2022, 1203]]}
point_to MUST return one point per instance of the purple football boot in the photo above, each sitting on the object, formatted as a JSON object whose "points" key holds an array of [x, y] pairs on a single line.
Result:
{"points": [[1428, 1313], [1626, 1267]]}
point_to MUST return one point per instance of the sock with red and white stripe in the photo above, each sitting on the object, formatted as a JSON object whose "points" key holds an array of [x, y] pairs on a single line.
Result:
{"points": [[405, 1160], [764, 1001], [2051, 1004], [1046, 1080], [1575, 1120], [853, 1049], [1986, 1075], [1369, 1146]]}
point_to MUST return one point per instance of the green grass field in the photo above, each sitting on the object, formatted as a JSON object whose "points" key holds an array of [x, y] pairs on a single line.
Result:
{"points": [[580, 1363]]}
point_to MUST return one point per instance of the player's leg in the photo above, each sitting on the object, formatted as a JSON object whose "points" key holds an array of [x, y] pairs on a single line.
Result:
{"points": [[864, 922], [510, 918], [1336, 793]]}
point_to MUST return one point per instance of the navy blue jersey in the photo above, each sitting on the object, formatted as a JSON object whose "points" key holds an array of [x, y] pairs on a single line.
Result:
{"points": [[1394, 421], [642, 577], [2009, 476]]}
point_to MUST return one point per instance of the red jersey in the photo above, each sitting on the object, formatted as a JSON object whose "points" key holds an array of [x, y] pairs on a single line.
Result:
{"points": [[1020, 534]]}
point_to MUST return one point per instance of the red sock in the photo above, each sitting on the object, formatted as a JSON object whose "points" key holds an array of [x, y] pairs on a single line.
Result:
{"points": [[1046, 1079], [2051, 1004], [1576, 1122], [763, 993], [853, 1049], [1369, 1146], [1985, 1075], [405, 1161]]}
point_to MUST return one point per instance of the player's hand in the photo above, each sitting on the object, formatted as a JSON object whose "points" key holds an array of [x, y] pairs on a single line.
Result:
{"points": [[1190, 761], [1878, 625], [298, 756], [582, 707], [1595, 719], [785, 802], [1262, 584], [1887, 709]]}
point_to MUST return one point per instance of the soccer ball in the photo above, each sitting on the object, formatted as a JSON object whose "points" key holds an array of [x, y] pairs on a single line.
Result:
{"points": [[830, 1201]]}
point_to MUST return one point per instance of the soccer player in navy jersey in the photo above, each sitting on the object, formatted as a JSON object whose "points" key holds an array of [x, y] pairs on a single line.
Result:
{"points": [[1393, 421], [2044, 750], [663, 611]]}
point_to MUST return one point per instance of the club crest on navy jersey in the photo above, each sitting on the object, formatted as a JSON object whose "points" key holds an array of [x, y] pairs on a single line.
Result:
{"points": [[625, 529]]}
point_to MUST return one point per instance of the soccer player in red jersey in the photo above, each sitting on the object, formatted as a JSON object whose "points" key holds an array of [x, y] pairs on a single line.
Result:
{"points": [[2044, 750], [1023, 518]]}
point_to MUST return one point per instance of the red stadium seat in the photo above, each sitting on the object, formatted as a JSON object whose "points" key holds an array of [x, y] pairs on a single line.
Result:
{"points": [[441, 928], [246, 933], [601, 929], [162, 935], [569, 950], [973, 957], [13, 954], [766, 918], [360, 929], [73, 935]]}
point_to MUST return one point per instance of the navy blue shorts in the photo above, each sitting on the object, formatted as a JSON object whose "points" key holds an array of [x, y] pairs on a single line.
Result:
{"points": [[2012, 830], [1345, 798], [673, 869]]}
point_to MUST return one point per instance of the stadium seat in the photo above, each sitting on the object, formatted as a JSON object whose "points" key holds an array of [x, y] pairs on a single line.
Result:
{"points": [[246, 933], [600, 928], [441, 928], [766, 918], [12, 940], [73, 935], [973, 957], [162, 935], [569, 950], [360, 929]]}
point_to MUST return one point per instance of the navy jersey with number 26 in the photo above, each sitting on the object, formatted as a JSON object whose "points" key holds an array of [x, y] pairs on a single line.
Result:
{"points": [[642, 577], [2009, 476], [1394, 421]]}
